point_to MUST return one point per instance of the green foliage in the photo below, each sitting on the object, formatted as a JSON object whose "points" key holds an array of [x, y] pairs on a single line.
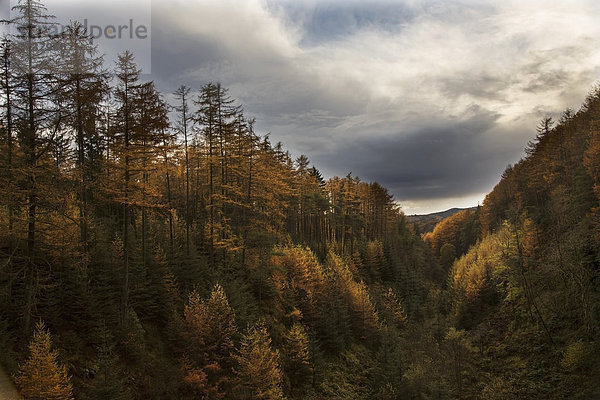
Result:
{"points": [[447, 255], [109, 381], [348, 376]]}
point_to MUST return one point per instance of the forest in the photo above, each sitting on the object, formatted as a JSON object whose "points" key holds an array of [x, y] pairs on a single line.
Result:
{"points": [[154, 249]]}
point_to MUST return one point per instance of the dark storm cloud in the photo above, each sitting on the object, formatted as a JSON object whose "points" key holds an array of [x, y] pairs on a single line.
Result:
{"points": [[448, 159], [175, 53]]}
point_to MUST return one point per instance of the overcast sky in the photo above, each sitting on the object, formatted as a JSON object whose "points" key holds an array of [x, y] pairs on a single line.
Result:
{"points": [[433, 99]]}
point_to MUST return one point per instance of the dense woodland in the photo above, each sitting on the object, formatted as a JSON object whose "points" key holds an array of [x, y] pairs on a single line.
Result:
{"points": [[154, 249]]}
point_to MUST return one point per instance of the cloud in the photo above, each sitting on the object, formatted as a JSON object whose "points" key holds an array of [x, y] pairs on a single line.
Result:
{"points": [[431, 98], [447, 159]]}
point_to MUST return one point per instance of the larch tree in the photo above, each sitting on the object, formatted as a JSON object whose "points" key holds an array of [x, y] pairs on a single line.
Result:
{"points": [[297, 359], [258, 370], [209, 328], [41, 376]]}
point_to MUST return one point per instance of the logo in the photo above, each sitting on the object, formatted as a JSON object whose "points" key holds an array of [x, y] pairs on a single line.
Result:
{"points": [[114, 26]]}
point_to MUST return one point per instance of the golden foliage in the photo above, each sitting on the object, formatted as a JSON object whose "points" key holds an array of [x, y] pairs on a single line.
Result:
{"points": [[41, 377], [258, 368]]}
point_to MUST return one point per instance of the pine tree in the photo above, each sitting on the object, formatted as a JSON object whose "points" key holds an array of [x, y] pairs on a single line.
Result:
{"points": [[41, 377], [258, 369]]}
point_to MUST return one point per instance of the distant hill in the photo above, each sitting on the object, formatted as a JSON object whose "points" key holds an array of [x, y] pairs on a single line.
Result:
{"points": [[426, 222]]}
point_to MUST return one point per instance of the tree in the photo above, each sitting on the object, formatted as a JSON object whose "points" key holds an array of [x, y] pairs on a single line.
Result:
{"points": [[127, 74], [297, 363], [41, 377], [215, 115], [209, 331], [83, 88], [7, 87], [109, 382], [258, 369], [447, 255], [150, 121], [38, 121], [182, 126], [394, 310]]}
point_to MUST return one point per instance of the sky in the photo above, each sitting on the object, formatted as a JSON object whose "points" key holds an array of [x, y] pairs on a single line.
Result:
{"points": [[432, 99]]}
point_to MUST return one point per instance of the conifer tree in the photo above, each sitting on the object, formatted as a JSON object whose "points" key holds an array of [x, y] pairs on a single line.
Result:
{"points": [[297, 361], [127, 74], [37, 119], [83, 87], [182, 125], [7, 87], [258, 369], [394, 310], [109, 382], [41, 377], [209, 331]]}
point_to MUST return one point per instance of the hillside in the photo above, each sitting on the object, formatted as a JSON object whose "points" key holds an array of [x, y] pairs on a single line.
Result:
{"points": [[426, 222], [527, 295]]}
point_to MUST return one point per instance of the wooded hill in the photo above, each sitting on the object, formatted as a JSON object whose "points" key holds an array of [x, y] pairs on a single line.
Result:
{"points": [[427, 222], [152, 251]]}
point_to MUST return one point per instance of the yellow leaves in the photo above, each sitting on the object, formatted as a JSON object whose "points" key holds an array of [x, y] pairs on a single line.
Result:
{"points": [[356, 294], [455, 335], [210, 325], [472, 272], [448, 230], [41, 377], [258, 366], [476, 280], [195, 377], [302, 267]]}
